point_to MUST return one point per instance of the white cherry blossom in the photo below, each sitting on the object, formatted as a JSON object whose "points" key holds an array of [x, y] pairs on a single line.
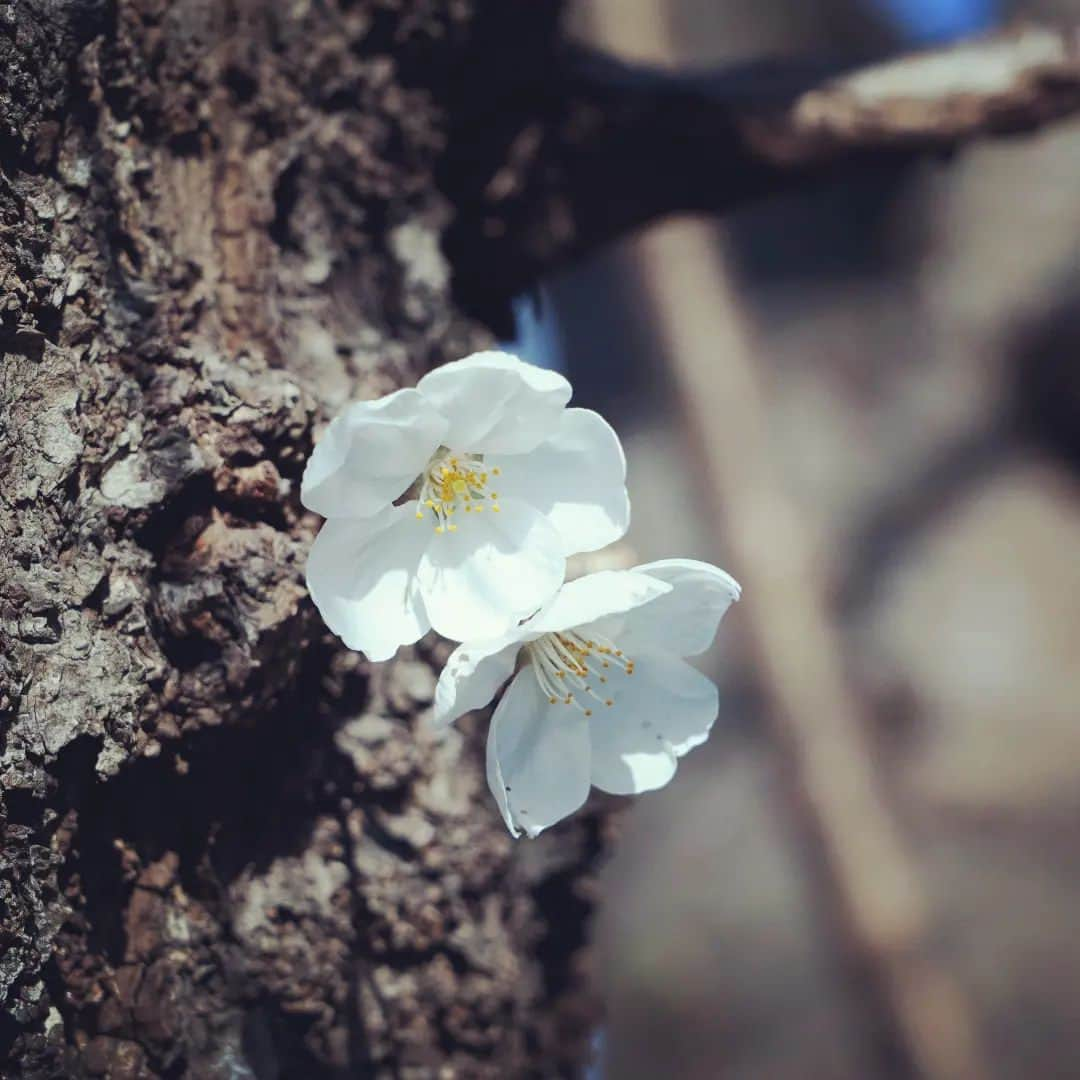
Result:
{"points": [[601, 694], [453, 505]]}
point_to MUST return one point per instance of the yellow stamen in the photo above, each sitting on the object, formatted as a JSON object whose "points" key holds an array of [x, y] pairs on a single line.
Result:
{"points": [[452, 481]]}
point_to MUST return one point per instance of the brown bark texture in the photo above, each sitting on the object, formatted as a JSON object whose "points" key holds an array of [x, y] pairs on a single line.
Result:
{"points": [[229, 847]]}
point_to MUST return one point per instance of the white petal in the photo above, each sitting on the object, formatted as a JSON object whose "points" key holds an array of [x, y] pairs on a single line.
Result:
{"points": [[577, 477], [537, 757], [496, 403], [370, 454], [495, 570], [683, 622], [595, 596], [473, 675], [661, 712], [361, 573]]}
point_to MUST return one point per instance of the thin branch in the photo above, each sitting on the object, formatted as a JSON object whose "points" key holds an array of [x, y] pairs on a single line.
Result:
{"points": [[868, 873], [1012, 82], [598, 147]]}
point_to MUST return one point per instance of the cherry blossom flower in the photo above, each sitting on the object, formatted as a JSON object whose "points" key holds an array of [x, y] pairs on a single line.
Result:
{"points": [[601, 694], [453, 505]]}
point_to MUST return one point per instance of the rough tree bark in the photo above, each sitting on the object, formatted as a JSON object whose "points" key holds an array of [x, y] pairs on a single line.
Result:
{"points": [[229, 848]]}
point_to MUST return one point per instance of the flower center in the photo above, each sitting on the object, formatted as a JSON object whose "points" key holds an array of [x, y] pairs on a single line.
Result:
{"points": [[453, 482], [567, 664]]}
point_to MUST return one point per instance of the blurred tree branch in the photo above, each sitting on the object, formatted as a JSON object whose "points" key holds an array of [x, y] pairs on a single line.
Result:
{"points": [[598, 147]]}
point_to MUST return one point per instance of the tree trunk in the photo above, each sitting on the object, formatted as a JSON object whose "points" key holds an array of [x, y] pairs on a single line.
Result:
{"points": [[230, 849]]}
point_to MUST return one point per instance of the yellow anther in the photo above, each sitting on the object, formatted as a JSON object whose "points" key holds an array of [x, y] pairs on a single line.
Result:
{"points": [[494, 509], [419, 515], [452, 528], [553, 700], [565, 658], [458, 485], [439, 529], [496, 471], [478, 509]]}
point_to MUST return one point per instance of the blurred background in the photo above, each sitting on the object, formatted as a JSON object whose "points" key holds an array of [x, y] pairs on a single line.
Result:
{"points": [[863, 401]]}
